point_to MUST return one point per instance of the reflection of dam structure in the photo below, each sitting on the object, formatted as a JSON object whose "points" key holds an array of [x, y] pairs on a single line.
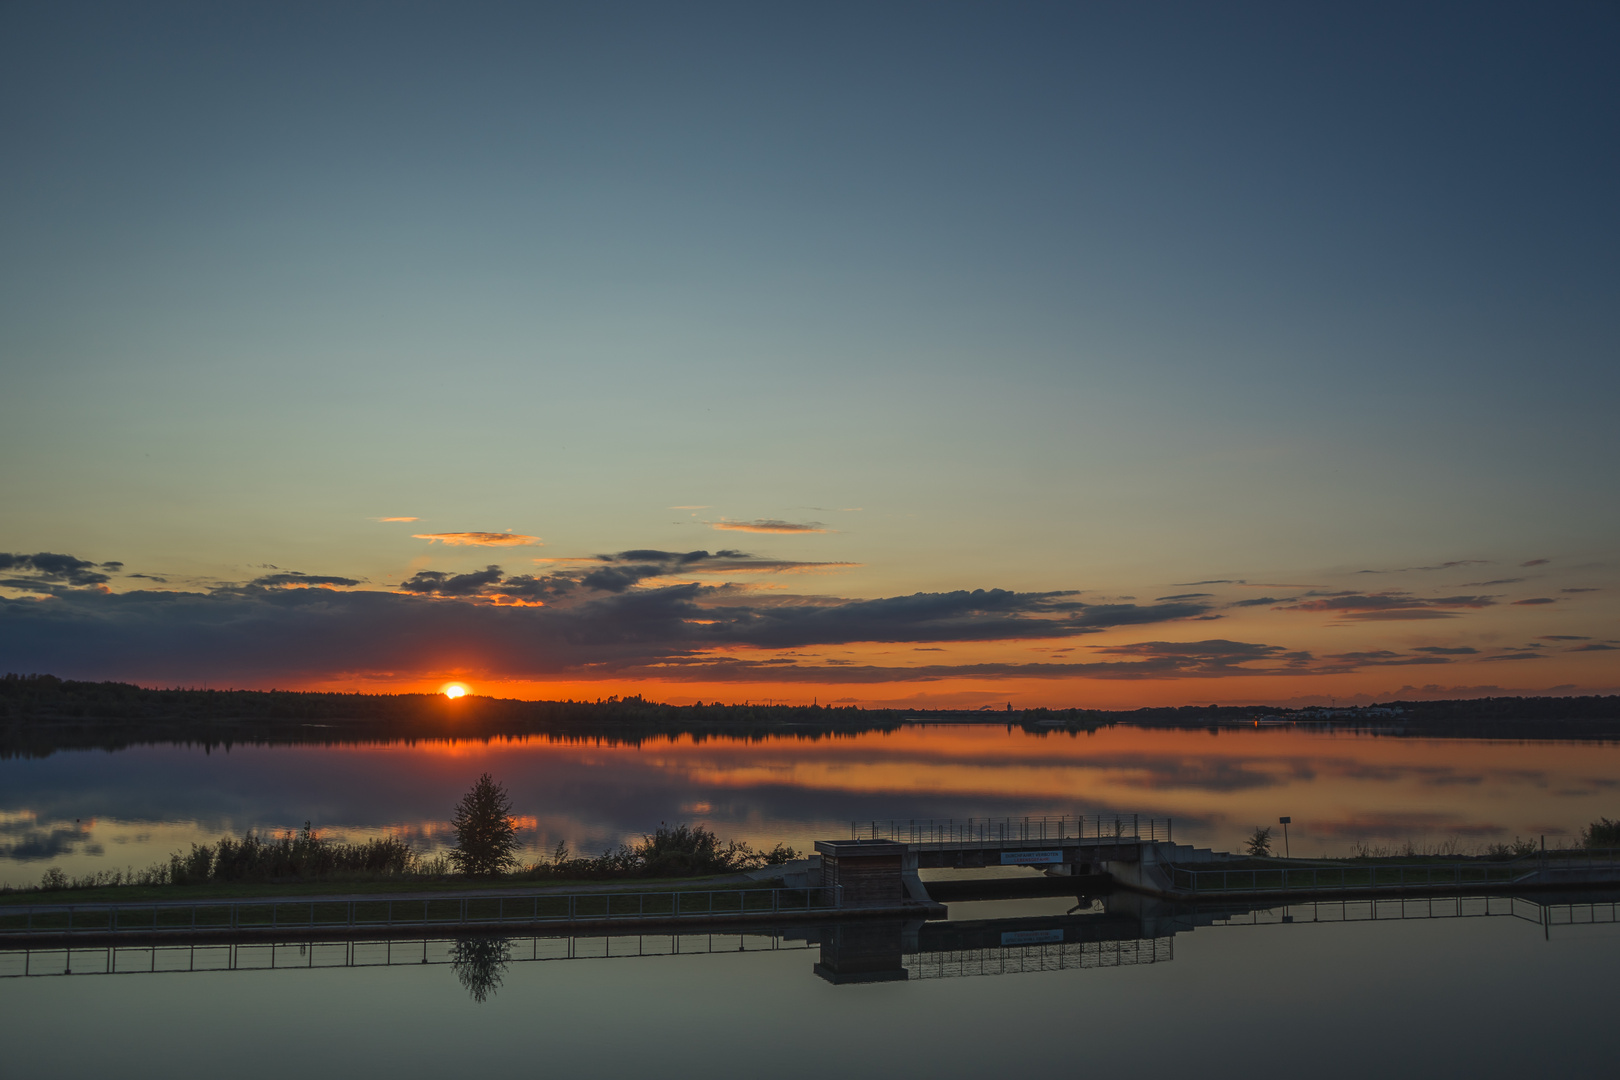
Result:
{"points": [[1119, 930]]}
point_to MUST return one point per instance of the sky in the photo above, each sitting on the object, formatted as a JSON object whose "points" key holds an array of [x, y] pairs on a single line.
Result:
{"points": [[1095, 355]]}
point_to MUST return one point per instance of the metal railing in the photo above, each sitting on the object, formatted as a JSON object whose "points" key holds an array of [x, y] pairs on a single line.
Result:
{"points": [[1019, 959], [1422, 908], [1080, 828], [292, 916], [159, 959], [1349, 877]]}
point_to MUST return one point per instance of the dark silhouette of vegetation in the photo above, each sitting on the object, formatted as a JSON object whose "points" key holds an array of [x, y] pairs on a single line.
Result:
{"points": [[40, 714], [1259, 842], [480, 963], [301, 856], [486, 835], [671, 851], [1602, 833]]}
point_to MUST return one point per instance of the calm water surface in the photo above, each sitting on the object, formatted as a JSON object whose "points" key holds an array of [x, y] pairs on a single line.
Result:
{"points": [[1486, 995], [88, 810]]}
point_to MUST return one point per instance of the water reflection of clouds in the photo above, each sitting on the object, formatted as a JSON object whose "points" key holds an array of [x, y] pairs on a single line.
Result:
{"points": [[24, 839], [593, 796]]}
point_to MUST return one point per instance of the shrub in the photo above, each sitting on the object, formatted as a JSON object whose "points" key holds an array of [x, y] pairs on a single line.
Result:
{"points": [[1259, 842], [1601, 833]]}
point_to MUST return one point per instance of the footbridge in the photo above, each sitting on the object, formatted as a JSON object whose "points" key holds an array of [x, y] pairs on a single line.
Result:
{"points": [[881, 860]]}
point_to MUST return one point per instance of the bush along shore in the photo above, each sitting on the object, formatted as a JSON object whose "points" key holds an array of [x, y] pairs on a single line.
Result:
{"points": [[306, 857]]}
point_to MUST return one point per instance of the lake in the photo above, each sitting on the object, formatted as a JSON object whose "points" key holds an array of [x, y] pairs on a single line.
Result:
{"points": [[89, 810], [1488, 987]]}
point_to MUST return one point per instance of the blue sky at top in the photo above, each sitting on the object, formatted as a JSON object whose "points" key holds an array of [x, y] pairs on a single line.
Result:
{"points": [[1099, 297]]}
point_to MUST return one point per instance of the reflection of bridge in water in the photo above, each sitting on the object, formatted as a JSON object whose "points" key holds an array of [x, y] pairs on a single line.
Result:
{"points": [[1119, 930]]}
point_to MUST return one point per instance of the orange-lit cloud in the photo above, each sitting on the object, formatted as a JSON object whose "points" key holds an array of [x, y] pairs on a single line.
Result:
{"points": [[770, 525], [398, 519], [479, 539]]}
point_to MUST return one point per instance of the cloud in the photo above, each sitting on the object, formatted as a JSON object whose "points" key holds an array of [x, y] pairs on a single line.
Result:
{"points": [[1535, 562], [1212, 581], [1594, 647], [593, 620], [1565, 637], [1390, 605], [293, 577], [1186, 596], [1439, 650], [435, 583], [1579, 590], [1383, 658], [479, 539], [770, 525], [1497, 581], [1452, 565], [1535, 600], [1257, 602], [397, 519], [49, 568], [692, 507]]}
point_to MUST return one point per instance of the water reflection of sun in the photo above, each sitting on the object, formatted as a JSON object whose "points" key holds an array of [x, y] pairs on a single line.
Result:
{"points": [[453, 690]]}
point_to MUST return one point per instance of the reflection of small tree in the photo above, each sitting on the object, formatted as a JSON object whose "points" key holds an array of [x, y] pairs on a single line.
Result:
{"points": [[486, 835], [1259, 841], [480, 964]]}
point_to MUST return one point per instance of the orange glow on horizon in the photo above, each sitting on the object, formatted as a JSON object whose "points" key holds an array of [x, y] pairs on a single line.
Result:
{"points": [[454, 690]]}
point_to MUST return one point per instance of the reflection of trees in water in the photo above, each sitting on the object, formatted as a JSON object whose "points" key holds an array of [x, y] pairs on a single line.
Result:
{"points": [[480, 963]]}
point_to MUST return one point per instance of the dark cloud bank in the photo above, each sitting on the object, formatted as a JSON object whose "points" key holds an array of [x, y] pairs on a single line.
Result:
{"points": [[613, 616]]}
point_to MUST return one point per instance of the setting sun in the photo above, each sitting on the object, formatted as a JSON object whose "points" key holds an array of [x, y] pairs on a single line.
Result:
{"points": [[455, 690]]}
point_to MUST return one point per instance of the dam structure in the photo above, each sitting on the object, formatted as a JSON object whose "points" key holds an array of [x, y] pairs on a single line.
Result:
{"points": [[874, 874], [882, 859]]}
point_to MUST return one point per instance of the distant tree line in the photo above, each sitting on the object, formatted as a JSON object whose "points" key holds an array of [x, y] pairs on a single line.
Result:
{"points": [[40, 714]]}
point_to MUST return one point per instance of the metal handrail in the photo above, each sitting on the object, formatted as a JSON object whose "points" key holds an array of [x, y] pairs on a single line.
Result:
{"points": [[536, 908], [1066, 829], [1346, 877]]}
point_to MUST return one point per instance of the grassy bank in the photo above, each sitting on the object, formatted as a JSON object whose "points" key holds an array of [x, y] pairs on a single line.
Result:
{"points": [[308, 864], [383, 888]]}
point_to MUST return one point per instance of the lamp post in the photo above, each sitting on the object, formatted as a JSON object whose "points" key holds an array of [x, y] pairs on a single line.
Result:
{"points": [[1284, 822]]}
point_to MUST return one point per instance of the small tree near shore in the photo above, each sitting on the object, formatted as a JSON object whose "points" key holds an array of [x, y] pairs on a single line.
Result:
{"points": [[1259, 841], [486, 835]]}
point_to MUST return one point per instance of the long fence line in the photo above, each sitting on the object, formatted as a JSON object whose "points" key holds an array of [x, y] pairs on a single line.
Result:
{"points": [[290, 916], [1549, 867], [1079, 828], [1019, 959], [293, 955], [1341, 878], [1396, 909]]}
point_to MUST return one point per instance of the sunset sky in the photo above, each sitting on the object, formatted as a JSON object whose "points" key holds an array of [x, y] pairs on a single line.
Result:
{"points": [[1062, 354]]}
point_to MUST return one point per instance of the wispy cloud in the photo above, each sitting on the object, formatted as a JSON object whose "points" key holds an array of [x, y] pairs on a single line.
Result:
{"points": [[479, 539], [770, 525], [1392, 605], [1535, 600], [397, 519], [44, 568], [692, 507], [1451, 565], [294, 579], [1535, 562]]}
